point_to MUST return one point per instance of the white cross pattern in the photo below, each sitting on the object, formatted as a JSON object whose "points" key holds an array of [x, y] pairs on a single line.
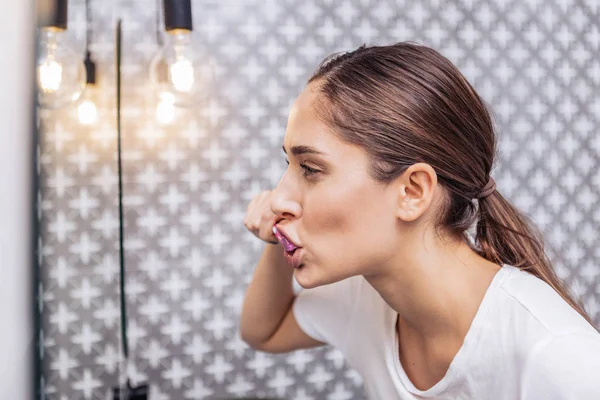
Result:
{"points": [[186, 185]]}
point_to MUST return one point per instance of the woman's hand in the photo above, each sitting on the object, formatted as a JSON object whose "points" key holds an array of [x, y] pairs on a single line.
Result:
{"points": [[260, 219]]}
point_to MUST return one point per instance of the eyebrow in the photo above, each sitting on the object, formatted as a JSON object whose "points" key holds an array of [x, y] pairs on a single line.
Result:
{"points": [[298, 150]]}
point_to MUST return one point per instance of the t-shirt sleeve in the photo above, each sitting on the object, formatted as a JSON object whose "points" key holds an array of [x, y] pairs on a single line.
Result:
{"points": [[565, 367], [325, 312]]}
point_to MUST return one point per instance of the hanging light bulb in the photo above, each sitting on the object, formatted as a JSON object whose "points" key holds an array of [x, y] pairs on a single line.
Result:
{"points": [[50, 75], [181, 73], [180, 68], [87, 112], [165, 109], [60, 72]]}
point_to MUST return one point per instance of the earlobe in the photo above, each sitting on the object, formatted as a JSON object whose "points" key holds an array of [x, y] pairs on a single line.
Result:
{"points": [[409, 210], [415, 191]]}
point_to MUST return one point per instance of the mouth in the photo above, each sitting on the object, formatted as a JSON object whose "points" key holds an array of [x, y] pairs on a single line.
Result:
{"points": [[287, 244], [292, 251]]}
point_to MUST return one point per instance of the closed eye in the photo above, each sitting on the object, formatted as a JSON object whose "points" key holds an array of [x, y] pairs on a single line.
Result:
{"points": [[308, 171]]}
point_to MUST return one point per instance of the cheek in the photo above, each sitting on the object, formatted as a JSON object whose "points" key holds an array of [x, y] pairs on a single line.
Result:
{"points": [[354, 221], [331, 211]]}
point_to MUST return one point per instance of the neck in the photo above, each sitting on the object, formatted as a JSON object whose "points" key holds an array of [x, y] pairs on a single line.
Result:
{"points": [[436, 289]]}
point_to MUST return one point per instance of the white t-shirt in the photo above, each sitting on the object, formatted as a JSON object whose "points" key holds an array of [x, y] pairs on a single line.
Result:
{"points": [[525, 342]]}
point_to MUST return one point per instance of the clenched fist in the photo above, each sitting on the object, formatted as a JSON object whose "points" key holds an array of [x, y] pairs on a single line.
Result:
{"points": [[260, 219]]}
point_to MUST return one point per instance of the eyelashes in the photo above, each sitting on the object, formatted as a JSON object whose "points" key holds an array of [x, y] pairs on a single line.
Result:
{"points": [[308, 171]]}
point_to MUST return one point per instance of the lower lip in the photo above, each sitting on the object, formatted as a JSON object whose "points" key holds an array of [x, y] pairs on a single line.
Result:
{"points": [[294, 258]]}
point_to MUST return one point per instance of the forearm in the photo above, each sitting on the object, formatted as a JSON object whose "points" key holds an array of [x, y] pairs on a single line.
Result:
{"points": [[268, 297]]}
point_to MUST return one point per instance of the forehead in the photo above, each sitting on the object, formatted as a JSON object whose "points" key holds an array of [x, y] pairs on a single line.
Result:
{"points": [[304, 128]]}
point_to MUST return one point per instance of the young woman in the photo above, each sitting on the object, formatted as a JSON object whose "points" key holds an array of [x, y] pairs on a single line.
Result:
{"points": [[390, 152]]}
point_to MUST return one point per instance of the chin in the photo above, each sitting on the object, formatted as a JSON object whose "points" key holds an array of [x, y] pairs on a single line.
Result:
{"points": [[304, 275], [302, 279], [308, 276]]}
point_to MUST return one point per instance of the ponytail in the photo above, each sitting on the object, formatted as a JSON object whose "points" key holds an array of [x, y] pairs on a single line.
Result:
{"points": [[505, 237]]}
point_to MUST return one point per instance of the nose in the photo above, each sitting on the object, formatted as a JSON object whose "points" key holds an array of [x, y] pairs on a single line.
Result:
{"points": [[283, 201]]}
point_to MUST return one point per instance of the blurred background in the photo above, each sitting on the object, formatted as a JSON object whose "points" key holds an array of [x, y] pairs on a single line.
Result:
{"points": [[190, 165]]}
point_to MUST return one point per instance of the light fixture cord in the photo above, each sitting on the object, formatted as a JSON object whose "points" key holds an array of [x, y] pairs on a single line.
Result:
{"points": [[88, 28], [159, 39], [122, 299]]}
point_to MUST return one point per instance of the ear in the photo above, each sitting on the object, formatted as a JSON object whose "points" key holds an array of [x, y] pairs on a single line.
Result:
{"points": [[415, 191]]}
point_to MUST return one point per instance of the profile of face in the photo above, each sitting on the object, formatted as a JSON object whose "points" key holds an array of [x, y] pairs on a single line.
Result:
{"points": [[343, 221]]}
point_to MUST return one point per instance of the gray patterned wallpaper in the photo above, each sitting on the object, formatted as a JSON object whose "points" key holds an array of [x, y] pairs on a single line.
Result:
{"points": [[537, 63]]}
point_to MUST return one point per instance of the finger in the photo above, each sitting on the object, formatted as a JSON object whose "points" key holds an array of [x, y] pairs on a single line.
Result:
{"points": [[266, 234], [256, 215], [268, 218], [250, 212], [265, 196]]}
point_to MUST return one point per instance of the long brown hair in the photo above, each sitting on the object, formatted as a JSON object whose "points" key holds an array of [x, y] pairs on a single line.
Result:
{"points": [[406, 103]]}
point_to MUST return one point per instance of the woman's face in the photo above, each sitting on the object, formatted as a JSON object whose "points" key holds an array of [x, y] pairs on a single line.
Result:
{"points": [[342, 220]]}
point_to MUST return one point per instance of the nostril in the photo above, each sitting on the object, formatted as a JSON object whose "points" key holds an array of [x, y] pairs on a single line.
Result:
{"points": [[285, 209]]}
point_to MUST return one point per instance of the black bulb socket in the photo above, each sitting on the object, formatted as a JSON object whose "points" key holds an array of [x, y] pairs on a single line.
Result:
{"points": [[178, 15], [90, 69], [53, 14]]}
